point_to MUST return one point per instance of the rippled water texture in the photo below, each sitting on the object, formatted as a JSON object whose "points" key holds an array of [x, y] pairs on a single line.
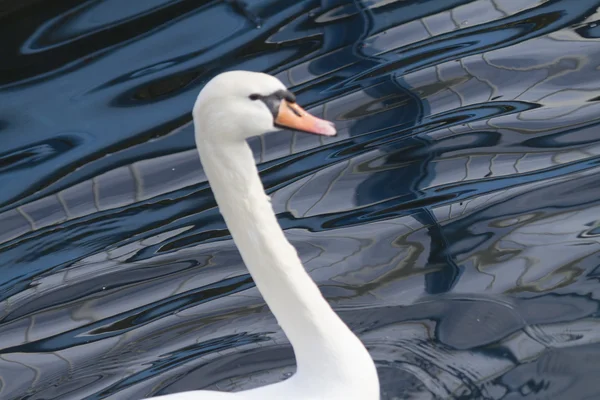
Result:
{"points": [[453, 223]]}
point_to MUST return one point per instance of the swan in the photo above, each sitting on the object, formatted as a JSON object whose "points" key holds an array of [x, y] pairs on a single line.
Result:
{"points": [[332, 363]]}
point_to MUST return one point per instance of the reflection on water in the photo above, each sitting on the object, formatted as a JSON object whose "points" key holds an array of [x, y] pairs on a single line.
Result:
{"points": [[453, 223]]}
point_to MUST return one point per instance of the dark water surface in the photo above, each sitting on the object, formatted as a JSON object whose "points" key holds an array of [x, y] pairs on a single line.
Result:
{"points": [[454, 223]]}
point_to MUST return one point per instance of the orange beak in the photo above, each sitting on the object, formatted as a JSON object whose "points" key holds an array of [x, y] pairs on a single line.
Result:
{"points": [[292, 116]]}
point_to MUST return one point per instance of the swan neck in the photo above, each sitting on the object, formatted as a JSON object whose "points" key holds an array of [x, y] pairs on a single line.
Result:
{"points": [[313, 328]]}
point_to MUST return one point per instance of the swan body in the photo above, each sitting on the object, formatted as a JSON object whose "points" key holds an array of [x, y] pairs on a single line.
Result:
{"points": [[332, 363]]}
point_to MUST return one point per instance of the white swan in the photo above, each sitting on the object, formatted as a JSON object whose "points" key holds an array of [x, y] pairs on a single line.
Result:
{"points": [[332, 363]]}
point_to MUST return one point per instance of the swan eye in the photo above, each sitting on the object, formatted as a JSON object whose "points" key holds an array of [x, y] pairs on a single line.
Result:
{"points": [[254, 96]]}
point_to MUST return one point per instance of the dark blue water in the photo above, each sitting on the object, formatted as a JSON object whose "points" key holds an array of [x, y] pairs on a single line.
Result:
{"points": [[454, 223]]}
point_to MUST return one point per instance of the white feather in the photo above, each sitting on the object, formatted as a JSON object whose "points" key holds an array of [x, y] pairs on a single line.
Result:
{"points": [[332, 363]]}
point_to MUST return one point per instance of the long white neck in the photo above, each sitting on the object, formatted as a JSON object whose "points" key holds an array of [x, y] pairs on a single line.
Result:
{"points": [[322, 342]]}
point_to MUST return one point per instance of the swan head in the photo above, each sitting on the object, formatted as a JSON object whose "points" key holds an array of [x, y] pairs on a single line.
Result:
{"points": [[237, 105]]}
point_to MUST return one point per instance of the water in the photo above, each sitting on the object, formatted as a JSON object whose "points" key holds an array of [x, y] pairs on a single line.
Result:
{"points": [[453, 223]]}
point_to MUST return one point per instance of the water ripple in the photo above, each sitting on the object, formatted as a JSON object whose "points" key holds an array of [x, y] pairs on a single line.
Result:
{"points": [[453, 222]]}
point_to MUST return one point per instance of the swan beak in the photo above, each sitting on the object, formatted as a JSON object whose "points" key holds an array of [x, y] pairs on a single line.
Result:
{"points": [[292, 116]]}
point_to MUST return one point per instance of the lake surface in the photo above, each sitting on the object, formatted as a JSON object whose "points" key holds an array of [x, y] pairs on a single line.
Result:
{"points": [[454, 222]]}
